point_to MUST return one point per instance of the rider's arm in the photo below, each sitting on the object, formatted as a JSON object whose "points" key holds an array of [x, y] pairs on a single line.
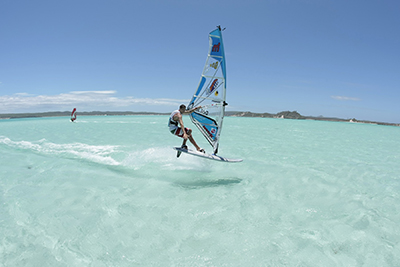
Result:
{"points": [[191, 110]]}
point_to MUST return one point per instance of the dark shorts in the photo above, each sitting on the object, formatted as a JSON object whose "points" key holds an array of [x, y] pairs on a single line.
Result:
{"points": [[179, 132]]}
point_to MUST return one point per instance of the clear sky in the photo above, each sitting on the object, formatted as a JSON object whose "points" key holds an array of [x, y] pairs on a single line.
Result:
{"points": [[332, 58]]}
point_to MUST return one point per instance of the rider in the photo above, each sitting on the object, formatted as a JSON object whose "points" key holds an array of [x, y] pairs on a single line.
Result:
{"points": [[181, 131]]}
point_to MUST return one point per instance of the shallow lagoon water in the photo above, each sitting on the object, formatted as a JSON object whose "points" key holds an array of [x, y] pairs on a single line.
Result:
{"points": [[109, 191]]}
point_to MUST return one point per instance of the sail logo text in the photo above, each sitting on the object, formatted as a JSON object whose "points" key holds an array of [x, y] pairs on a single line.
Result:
{"points": [[210, 134], [216, 48]]}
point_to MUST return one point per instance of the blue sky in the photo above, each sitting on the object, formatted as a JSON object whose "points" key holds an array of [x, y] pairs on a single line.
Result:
{"points": [[318, 57]]}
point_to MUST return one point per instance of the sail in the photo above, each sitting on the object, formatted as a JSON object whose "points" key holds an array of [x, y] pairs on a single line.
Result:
{"points": [[73, 114], [211, 92]]}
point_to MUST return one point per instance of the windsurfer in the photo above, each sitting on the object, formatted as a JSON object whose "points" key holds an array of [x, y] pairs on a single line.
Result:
{"points": [[182, 131], [73, 115]]}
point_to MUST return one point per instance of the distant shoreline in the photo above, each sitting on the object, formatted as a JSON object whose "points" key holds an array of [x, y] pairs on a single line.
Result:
{"points": [[294, 115], [68, 113]]}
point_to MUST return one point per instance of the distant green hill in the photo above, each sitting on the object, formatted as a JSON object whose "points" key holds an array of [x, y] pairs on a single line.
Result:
{"points": [[294, 115]]}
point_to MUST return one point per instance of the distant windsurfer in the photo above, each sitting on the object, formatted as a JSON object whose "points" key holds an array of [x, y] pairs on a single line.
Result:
{"points": [[177, 128], [73, 115]]}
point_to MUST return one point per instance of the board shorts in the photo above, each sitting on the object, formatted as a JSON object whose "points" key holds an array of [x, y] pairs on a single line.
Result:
{"points": [[179, 132]]}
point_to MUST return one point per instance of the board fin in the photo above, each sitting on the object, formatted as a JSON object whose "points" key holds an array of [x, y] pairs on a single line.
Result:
{"points": [[179, 152]]}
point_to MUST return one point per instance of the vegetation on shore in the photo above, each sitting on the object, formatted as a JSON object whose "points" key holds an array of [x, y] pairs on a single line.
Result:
{"points": [[68, 113], [294, 115]]}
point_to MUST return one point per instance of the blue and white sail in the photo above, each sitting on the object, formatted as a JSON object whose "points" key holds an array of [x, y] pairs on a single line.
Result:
{"points": [[211, 92]]}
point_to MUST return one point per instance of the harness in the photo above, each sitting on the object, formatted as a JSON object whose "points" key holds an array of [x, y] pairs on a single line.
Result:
{"points": [[172, 124]]}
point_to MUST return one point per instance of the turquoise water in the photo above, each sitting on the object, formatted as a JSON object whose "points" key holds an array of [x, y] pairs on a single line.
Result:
{"points": [[109, 191]]}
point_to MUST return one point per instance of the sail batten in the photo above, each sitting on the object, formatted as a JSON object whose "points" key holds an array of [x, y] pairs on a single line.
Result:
{"points": [[211, 92]]}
